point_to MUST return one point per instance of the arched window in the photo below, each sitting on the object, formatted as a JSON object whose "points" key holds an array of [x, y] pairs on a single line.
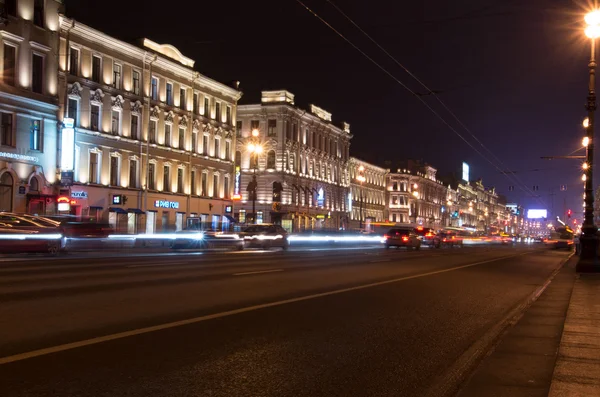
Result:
{"points": [[271, 160], [292, 162], [6, 192], [34, 185], [238, 158]]}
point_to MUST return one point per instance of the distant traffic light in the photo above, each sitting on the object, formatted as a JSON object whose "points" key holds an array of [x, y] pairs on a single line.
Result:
{"points": [[569, 213]]}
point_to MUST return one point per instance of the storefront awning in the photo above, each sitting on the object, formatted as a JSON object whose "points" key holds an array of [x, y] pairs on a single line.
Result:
{"points": [[117, 210], [96, 208], [230, 218], [135, 211]]}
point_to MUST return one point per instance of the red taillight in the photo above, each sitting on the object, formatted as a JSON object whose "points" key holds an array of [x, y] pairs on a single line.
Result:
{"points": [[404, 238], [385, 236], [429, 235]]}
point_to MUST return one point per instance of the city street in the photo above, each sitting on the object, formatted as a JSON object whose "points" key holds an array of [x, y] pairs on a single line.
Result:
{"points": [[313, 322]]}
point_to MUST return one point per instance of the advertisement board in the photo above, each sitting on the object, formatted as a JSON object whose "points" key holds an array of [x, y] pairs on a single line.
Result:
{"points": [[537, 214], [465, 172]]}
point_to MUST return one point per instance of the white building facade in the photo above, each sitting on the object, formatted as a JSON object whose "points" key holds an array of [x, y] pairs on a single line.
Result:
{"points": [[303, 153], [153, 139], [28, 105], [367, 193]]}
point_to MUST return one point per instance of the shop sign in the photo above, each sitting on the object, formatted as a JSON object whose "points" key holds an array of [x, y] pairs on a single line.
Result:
{"points": [[320, 197], [21, 189], [63, 204], [228, 209], [16, 156], [166, 204], [66, 178], [236, 183], [79, 195], [320, 216]]}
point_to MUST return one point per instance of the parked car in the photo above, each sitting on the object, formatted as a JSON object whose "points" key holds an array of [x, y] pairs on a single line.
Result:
{"points": [[265, 236], [27, 234], [450, 238], [402, 237], [428, 237]]}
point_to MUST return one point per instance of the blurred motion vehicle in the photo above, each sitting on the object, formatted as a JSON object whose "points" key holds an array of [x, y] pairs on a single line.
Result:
{"points": [[29, 234], [265, 236], [207, 239], [78, 227], [451, 238], [561, 238], [402, 237], [428, 237]]}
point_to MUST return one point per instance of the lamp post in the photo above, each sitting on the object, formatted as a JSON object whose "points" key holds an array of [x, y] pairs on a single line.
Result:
{"points": [[588, 260], [361, 178], [255, 148]]}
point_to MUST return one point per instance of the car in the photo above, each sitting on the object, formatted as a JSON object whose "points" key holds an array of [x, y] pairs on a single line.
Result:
{"points": [[428, 237], [402, 237], [265, 236], [27, 234], [207, 239], [450, 238]]}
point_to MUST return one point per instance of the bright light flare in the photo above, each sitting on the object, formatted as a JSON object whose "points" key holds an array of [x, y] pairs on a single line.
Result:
{"points": [[585, 141], [593, 32], [416, 194], [592, 18], [258, 149], [586, 122], [584, 177], [255, 132], [341, 239], [251, 147], [25, 236], [585, 166]]}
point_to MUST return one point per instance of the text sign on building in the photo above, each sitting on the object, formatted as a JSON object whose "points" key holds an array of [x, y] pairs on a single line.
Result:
{"points": [[17, 156], [236, 183], [465, 172], [320, 197], [166, 204], [79, 195], [67, 153]]}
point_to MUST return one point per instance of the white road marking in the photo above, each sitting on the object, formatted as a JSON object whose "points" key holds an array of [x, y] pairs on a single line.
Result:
{"points": [[161, 264], [174, 324], [380, 260], [258, 272]]}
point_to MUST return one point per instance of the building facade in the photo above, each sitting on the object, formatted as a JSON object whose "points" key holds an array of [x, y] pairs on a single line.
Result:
{"points": [[367, 193], [28, 105], [302, 178], [415, 196], [153, 139]]}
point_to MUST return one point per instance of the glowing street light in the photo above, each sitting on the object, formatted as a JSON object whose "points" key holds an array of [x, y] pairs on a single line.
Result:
{"points": [[255, 148], [586, 122], [585, 166], [585, 141]]}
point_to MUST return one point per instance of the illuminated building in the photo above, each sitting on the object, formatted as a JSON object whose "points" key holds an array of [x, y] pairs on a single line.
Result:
{"points": [[28, 105], [415, 196], [367, 193], [303, 154], [154, 139]]}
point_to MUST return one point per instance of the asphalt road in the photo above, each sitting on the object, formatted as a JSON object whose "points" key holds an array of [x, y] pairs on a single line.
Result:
{"points": [[356, 322]]}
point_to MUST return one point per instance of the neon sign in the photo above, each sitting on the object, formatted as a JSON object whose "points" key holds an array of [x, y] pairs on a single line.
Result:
{"points": [[320, 197], [166, 204], [236, 183]]}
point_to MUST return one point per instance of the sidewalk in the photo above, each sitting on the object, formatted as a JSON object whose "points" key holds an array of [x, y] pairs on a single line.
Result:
{"points": [[577, 371]]}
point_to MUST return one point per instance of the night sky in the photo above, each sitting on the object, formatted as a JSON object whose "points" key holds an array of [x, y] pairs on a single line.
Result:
{"points": [[513, 71]]}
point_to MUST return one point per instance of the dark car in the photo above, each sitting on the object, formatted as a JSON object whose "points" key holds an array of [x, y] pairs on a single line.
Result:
{"points": [[450, 238], [27, 234], [428, 237], [265, 236], [402, 237]]}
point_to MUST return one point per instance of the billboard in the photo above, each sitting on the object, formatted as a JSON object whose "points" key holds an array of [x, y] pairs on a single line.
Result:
{"points": [[537, 214], [465, 172]]}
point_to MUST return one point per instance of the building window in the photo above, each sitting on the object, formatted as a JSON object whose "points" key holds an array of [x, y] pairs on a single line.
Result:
{"points": [[203, 184], [271, 160], [218, 148], [11, 7], [181, 143], [38, 13], [218, 115], [72, 110], [182, 98], [6, 127], [226, 187], [133, 166], [206, 107], [93, 168], [254, 125], [95, 117], [238, 129], [35, 135], [194, 142], [74, 62], [10, 60], [151, 176], [242, 216], [215, 186], [37, 73], [288, 131], [167, 134], [228, 115], [227, 150], [238, 158], [394, 199], [152, 131], [205, 145], [179, 180], [96, 61], [154, 89], [271, 128], [195, 103], [394, 218], [193, 182], [135, 122], [259, 217], [295, 132], [395, 186], [117, 76], [170, 94], [166, 178], [135, 77], [114, 170], [116, 122]]}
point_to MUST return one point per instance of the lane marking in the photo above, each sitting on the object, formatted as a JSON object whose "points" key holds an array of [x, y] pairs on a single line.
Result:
{"points": [[162, 264], [258, 272], [380, 260], [174, 324]]}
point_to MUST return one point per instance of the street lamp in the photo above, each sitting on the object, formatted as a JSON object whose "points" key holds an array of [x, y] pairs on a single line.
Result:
{"points": [[255, 148], [361, 178], [588, 260]]}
